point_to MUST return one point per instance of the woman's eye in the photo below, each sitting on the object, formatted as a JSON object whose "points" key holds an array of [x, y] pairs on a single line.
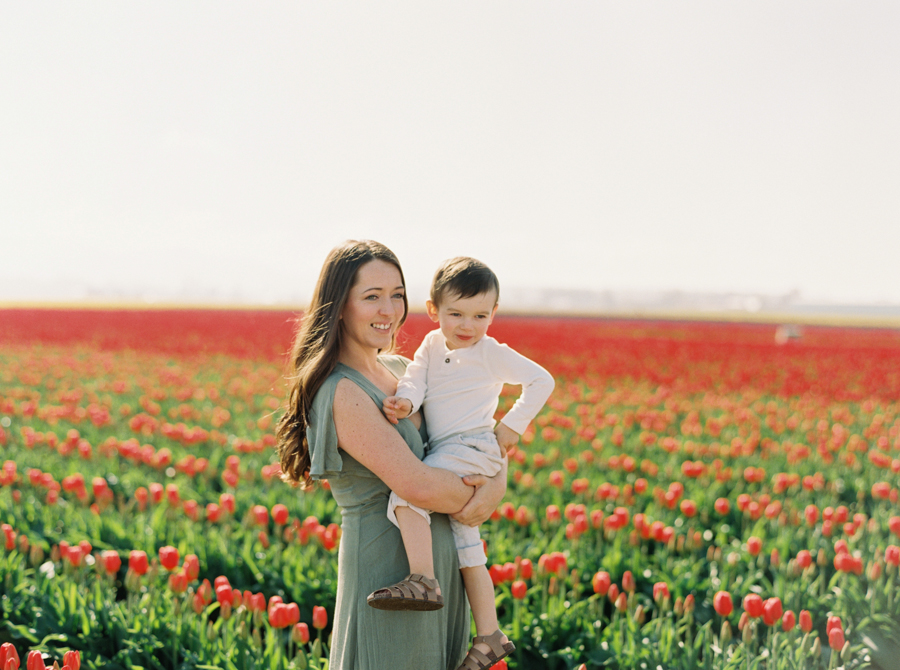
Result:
{"points": [[398, 296]]}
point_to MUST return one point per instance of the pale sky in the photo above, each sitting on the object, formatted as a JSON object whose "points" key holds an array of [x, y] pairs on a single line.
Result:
{"points": [[219, 150]]}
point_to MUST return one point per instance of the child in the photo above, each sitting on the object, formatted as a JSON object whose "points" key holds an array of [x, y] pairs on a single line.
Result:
{"points": [[456, 376]]}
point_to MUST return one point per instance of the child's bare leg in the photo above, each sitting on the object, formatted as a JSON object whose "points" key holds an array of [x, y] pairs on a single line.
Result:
{"points": [[480, 592], [416, 534]]}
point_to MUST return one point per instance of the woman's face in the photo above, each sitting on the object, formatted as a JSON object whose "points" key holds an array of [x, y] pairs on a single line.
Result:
{"points": [[374, 306]]}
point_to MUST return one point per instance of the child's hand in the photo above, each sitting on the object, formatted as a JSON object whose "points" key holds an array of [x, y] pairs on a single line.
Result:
{"points": [[507, 438], [396, 408]]}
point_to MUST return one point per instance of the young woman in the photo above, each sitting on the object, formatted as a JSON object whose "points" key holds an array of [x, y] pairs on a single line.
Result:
{"points": [[334, 429]]}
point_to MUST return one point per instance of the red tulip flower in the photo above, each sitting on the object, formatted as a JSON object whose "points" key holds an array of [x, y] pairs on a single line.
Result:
{"points": [[753, 605], [892, 555], [300, 633], [278, 615], [9, 657], [628, 582], [519, 589], [72, 659], [660, 591], [772, 611], [788, 621], [836, 639], [804, 558], [754, 546], [722, 506], [168, 558], [601, 582], [224, 594], [260, 515], [722, 603], [192, 566], [320, 617], [293, 613], [526, 569], [280, 514], [805, 621], [688, 508], [894, 525], [35, 661], [111, 561], [137, 561]]}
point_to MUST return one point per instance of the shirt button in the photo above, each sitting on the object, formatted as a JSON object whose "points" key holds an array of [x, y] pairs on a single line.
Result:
{"points": [[446, 360]]}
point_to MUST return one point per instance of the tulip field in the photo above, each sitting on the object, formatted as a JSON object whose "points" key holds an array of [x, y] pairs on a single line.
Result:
{"points": [[694, 495]]}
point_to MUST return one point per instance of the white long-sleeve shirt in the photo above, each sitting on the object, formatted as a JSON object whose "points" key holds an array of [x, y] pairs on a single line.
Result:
{"points": [[459, 389]]}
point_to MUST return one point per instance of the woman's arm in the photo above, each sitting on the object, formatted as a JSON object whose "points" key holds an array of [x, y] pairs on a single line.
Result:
{"points": [[489, 491], [364, 433]]}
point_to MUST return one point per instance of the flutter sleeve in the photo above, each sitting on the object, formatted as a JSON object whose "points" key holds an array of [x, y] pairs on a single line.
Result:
{"points": [[325, 460]]}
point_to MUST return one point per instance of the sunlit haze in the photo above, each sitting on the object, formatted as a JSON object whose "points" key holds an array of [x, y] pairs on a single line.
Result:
{"points": [[215, 152]]}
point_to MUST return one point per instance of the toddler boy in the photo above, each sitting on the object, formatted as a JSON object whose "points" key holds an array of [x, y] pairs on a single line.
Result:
{"points": [[456, 377]]}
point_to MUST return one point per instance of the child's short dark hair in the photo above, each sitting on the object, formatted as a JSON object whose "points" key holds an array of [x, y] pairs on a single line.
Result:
{"points": [[464, 277]]}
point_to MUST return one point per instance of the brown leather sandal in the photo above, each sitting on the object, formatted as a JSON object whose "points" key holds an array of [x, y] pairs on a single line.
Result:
{"points": [[476, 660], [405, 596]]}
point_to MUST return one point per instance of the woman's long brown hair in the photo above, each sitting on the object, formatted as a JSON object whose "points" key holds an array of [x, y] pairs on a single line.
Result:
{"points": [[317, 347]]}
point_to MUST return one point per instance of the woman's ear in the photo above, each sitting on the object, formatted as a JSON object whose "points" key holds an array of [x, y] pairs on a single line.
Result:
{"points": [[432, 310]]}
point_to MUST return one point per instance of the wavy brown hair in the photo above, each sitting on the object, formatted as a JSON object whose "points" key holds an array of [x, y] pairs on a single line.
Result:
{"points": [[317, 347]]}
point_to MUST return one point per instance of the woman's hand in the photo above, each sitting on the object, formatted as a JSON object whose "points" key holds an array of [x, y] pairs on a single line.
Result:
{"points": [[489, 491]]}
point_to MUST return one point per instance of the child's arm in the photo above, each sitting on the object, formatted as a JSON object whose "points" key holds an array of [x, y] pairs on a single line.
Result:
{"points": [[411, 388], [537, 385]]}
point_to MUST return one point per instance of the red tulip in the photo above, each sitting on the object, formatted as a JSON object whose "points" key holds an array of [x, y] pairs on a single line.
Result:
{"points": [[293, 613], [300, 633], [111, 561], [892, 555], [688, 508], [622, 602], [224, 594], [178, 582], [9, 657], [280, 514], [137, 561], [804, 558], [320, 617], [722, 506], [192, 566], [601, 583], [660, 591], [278, 615], [628, 582], [805, 621], [168, 558], [260, 515], [753, 605], [788, 621], [754, 546], [72, 659], [772, 611], [836, 639], [35, 661], [519, 589], [722, 603], [894, 525], [553, 514], [526, 569]]}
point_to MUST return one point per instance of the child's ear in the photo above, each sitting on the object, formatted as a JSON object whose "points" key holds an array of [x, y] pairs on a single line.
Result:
{"points": [[494, 311], [432, 310]]}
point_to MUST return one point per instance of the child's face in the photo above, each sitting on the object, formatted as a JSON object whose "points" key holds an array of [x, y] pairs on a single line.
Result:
{"points": [[464, 321]]}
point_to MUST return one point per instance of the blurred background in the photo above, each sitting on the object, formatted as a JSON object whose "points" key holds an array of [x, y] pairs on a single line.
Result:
{"points": [[601, 157]]}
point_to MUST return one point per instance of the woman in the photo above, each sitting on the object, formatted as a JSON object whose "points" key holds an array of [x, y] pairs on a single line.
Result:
{"points": [[333, 428]]}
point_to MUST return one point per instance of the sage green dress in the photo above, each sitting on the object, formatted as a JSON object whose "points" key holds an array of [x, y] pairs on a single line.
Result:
{"points": [[371, 553]]}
